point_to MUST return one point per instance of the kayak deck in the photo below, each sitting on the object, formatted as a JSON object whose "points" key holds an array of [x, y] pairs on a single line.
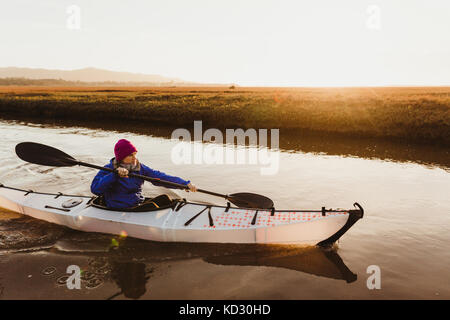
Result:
{"points": [[186, 221]]}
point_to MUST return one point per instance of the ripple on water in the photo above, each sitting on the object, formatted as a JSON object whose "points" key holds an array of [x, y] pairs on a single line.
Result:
{"points": [[22, 233]]}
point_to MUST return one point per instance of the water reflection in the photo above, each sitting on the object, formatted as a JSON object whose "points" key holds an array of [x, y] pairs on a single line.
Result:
{"points": [[131, 278], [317, 261], [290, 140], [133, 275]]}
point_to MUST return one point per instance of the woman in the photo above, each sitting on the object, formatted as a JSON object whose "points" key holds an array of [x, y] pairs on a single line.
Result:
{"points": [[120, 191]]}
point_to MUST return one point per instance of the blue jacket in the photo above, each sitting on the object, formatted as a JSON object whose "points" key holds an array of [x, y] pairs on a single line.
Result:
{"points": [[126, 192]]}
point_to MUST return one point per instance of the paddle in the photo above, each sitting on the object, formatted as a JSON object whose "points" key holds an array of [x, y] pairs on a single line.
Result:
{"points": [[48, 156]]}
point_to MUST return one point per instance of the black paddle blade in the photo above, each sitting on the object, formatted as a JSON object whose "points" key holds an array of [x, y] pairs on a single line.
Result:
{"points": [[250, 200], [44, 155]]}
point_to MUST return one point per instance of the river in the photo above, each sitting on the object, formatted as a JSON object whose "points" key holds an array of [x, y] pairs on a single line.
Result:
{"points": [[405, 230]]}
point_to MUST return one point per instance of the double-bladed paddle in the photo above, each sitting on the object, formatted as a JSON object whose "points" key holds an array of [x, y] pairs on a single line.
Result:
{"points": [[48, 156]]}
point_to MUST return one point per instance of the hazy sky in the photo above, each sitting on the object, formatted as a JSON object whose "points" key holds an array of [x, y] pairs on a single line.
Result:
{"points": [[277, 43]]}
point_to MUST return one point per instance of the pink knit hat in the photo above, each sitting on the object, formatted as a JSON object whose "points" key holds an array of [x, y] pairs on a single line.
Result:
{"points": [[123, 149]]}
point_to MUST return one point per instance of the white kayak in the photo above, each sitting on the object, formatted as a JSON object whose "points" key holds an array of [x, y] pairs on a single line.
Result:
{"points": [[184, 221]]}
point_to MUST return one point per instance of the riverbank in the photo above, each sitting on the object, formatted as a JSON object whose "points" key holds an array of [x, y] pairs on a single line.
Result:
{"points": [[305, 142], [415, 114]]}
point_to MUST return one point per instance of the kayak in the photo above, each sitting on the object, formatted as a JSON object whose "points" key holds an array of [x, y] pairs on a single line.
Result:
{"points": [[184, 221]]}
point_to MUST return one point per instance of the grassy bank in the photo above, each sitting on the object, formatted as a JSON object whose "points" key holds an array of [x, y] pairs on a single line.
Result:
{"points": [[413, 114]]}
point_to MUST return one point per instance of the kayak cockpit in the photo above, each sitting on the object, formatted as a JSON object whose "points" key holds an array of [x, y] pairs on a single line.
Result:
{"points": [[149, 204]]}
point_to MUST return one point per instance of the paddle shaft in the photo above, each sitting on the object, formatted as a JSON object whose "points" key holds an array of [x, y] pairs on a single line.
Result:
{"points": [[135, 175]]}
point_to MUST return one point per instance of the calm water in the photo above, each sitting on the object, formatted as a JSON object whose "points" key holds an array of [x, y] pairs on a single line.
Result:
{"points": [[405, 230]]}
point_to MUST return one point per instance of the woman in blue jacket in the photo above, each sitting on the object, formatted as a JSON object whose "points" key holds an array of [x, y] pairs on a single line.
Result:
{"points": [[120, 191]]}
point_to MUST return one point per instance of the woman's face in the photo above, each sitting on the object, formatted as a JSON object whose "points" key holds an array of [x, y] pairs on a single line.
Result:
{"points": [[131, 159]]}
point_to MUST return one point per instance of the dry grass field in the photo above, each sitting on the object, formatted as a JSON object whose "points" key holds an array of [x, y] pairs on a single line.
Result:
{"points": [[417, 114]]}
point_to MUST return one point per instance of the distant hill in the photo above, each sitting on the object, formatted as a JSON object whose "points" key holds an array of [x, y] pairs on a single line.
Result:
{"points": [[59, 82], [86, 75]]}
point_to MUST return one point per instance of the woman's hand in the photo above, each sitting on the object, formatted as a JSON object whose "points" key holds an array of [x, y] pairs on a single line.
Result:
{"points": [[122, 172], [192, 188]]}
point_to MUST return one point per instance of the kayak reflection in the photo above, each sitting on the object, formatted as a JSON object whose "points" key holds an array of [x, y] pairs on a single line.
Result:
{"points": [[317, 261], [132, 277], [323, 262]]}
